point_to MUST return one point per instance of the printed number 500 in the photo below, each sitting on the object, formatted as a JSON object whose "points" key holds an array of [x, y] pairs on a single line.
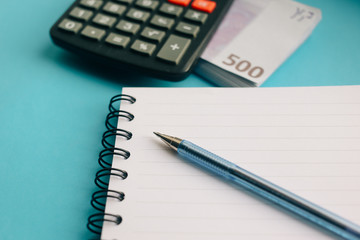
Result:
{"points": [[243, 66]]}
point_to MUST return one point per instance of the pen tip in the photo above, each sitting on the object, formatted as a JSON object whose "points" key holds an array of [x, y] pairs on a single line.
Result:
{"points": [[173, 142], [157, 134]]}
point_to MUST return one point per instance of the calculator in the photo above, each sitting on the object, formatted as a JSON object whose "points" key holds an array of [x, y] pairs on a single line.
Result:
{"points": [[161, 38]]}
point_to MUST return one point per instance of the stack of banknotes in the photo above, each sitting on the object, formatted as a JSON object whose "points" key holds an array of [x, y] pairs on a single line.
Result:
{"points": [[254, 39]]}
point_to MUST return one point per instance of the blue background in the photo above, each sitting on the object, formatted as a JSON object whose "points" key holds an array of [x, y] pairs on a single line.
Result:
{"points": [[53, 105]]}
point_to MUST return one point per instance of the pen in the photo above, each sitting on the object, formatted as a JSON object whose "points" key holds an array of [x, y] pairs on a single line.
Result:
{"points": [[273, 193]]}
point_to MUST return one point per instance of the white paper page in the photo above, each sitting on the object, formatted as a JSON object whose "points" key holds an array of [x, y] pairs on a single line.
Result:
{"points": [[303, 139]]}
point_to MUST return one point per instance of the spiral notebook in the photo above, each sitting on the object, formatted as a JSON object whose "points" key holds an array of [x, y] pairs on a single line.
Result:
{"points": [[304, 139]]}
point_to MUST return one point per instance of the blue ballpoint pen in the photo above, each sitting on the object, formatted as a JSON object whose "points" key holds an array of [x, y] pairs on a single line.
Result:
{"points": [[273, 193]]}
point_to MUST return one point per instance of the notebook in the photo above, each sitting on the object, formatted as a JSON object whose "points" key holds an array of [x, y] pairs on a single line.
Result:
{"points": [[304, 139]]}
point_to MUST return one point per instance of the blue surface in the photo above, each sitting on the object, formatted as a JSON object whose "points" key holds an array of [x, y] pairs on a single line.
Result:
{"points": [[53, 105]]}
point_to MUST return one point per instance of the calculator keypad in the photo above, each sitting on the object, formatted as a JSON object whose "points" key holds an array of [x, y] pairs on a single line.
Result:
{"points": [[143, 47], [162, 22], [125, 1], [206, 6], [94, 4], [70, 26], [81, 14], [128, 27], [188, 29], [148, 4], [196, 16], [180, 2], [174, 48], [93, 33], [117, 40], [113, 8], [104, 20], [138, 15], [153, 34], [135, 17], [160, 29], [171, 9]]}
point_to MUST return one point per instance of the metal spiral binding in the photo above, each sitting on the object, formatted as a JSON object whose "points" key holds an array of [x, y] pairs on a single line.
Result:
{"points": [[98, 198], [103, 194]]}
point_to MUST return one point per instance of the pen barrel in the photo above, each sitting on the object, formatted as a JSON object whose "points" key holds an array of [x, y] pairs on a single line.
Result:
{"points": [[269, 191], [205, 159]]}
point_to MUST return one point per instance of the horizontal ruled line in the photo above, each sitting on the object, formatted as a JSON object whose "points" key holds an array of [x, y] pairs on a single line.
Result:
{"points": [[226, 190], [283, 138], [207, 217], [249, 103], [271, 150], [265, 162], [247, 218], [226, 233], [250, 126], [283, 176], [227, 203], [259, 114]]}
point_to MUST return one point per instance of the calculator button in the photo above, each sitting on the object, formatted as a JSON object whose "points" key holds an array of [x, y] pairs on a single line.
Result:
{"points": [[118, 40], [95, 4], [104, 20], [188, 29], [153, 34], [174, 49], [143, 47], [162, 22], [128, 27], [148, 4], [93, 33], [196, 16], [171, 9], [180, 2], [70, 26], [205, 6], [124, 1], [138, 15], [114, 8], [81, 14]]}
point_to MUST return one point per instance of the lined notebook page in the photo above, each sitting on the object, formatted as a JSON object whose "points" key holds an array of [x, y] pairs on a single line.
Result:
{"points": [[306, 140]]}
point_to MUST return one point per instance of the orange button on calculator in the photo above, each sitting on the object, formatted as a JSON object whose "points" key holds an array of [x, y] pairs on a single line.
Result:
{"points": [[180, 2], [204, 5]]}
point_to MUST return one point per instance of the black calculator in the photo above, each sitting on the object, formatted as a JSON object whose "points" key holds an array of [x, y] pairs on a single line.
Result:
{"points": [[163, 38]]}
